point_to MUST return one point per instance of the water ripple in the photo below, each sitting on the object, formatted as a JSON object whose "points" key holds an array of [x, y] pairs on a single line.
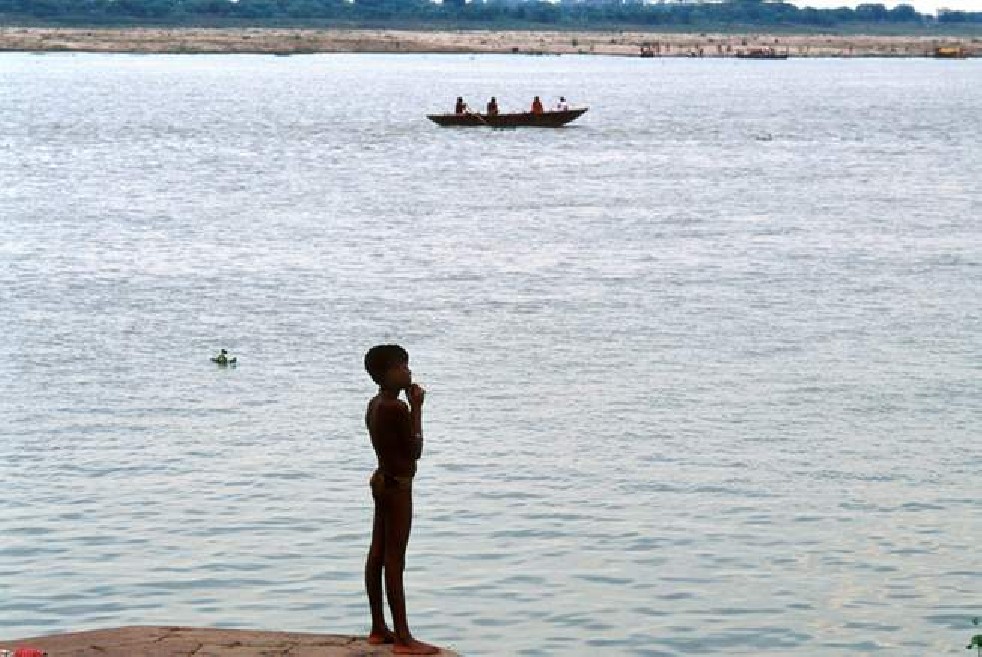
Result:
{"points": [[689, 392]]}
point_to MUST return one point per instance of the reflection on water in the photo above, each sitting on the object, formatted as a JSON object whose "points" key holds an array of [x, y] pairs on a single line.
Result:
{"points": [[691, 390]]}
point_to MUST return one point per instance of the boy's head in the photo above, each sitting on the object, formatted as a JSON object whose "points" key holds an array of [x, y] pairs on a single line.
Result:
{"points": [[388, 365]]}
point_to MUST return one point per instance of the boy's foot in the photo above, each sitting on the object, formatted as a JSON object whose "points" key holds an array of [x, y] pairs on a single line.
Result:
{"points": [[414, 647], [384, 636]]}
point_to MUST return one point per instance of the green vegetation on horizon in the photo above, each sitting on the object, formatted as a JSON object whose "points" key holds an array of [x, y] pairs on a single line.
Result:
{"points": [[491, 14]]}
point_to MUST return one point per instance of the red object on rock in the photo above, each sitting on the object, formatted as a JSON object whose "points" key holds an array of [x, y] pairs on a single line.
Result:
{"points": [[29, 652]]}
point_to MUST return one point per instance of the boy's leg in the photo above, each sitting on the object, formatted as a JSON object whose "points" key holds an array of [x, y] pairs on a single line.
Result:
{"points": [[399, 517], [373, 579]]}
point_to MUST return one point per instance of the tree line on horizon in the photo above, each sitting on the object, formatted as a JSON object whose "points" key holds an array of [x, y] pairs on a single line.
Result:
{"points": [[475, 13]]}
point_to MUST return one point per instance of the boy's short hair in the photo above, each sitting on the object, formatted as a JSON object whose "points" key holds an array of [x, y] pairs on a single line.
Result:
{"points": [[381, 357]]}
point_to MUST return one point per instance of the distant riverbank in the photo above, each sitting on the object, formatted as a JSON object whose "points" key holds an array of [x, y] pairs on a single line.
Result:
{"points": [[284, 41]]}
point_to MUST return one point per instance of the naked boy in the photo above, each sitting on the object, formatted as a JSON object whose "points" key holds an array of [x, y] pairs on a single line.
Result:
{"points": [[397, 436]]}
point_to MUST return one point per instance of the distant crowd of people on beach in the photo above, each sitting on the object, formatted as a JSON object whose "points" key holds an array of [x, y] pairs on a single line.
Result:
{"points": [[492, 106]]}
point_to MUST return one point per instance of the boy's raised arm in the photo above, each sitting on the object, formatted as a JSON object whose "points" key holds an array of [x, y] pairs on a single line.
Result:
{"points": [[417, 435], [416, 394]]}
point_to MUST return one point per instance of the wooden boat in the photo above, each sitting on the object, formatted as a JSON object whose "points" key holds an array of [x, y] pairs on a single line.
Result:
{"points": [[762, 53], [950, 52], [550, 119]]}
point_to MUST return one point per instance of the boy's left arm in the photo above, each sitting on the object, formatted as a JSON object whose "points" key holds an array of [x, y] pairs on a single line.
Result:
{"points": [[417, 414], [416, 394]]}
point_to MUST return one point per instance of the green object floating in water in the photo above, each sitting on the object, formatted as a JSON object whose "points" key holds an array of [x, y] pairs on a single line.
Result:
{"points": [[223, 359]]}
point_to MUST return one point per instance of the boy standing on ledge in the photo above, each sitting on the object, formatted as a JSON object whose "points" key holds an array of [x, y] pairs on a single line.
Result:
{"points": [[397, 436]]}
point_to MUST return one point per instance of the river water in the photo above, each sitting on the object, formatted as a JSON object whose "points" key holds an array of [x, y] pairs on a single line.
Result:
{"points": [[704, 369]]}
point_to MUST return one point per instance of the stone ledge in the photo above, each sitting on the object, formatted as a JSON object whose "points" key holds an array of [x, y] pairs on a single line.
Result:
{"points": [[175, 641]]}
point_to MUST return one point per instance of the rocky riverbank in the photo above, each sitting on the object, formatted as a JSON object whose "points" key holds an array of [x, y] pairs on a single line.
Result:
{"points": [[154, 641]]}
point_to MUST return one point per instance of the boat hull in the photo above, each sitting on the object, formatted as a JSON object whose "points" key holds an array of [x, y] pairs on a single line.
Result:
{"points": [[553, 119], [750, 55]]}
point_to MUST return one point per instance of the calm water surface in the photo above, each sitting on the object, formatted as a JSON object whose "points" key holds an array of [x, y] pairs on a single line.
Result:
{"points": [[704, 369]]}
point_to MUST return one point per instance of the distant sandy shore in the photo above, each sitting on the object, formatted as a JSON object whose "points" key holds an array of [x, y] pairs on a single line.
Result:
{"points": [[285, 41]]}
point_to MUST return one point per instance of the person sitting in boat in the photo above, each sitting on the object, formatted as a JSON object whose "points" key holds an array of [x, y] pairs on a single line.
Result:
{"points": [[493, 106], [537, 106], [562, 105], [461, 106]]}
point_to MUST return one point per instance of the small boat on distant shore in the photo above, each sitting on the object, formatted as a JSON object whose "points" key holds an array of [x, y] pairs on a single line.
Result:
{"points": [[762, 53], [950, 52], [549, 119]]}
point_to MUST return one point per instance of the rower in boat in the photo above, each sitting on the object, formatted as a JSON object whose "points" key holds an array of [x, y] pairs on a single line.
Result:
{"points": [[461, 106], [562, 105], [493, 106], [537, 106]]}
